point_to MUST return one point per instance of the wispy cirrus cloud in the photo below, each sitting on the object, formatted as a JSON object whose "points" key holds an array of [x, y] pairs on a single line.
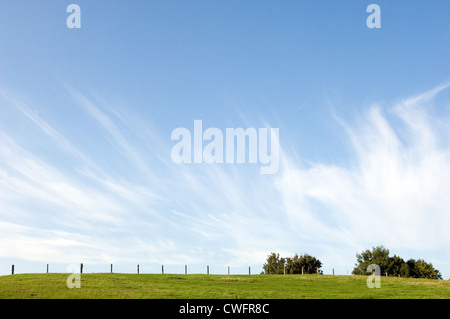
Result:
{"points": [[106, 122], [392, 191], [46, 198], [185, 207]]}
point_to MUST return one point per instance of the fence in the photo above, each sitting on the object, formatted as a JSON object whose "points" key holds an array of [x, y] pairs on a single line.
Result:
{"points": [[81, 268], [180, 270]]}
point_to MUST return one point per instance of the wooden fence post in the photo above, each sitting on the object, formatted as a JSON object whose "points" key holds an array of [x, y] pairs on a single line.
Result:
{"points": [[228, 270], [185, 269], [47, 268], [81, 268], [207, 270], [249, 272], [162, 269], [138, 269], [333, 271], [12, 270], [111, 268]]}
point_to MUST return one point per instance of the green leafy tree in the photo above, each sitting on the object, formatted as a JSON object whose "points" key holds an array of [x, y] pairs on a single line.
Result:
{"points": [[277, 265], [305, 264], [274, 264], [293, 265], [394, 266], [378, 255], [422, 269], [404, 270]]}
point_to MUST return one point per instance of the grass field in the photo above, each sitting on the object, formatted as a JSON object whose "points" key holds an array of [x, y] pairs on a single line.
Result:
{"points": [[109, 286]]}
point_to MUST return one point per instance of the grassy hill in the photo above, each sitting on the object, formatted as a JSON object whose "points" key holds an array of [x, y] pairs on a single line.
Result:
{"points": [[105, 285]]}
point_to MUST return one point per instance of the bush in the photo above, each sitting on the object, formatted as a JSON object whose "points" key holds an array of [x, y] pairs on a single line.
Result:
{"points": [[421, 269], [305, 264], [274, 264], [394, 266]]}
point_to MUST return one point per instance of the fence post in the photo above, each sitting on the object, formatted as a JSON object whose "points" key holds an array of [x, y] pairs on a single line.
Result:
{"points": [[185, 269], [81, 268], [303, 267], [228, 270], [333, 271], [47, 268], [249, 272], [12, 270], [162, 269], [207, 270], [138, 269], [111, 268]]}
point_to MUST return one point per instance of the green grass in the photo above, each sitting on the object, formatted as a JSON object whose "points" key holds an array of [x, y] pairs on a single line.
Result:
{"points": [[100, 286]]}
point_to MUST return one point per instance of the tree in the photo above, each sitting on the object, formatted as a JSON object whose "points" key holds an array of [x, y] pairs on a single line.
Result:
{"points": [[404, 271], [378, 255], [394, 266], [274, 264], [293, 265], [422, 269], [305, 264]]}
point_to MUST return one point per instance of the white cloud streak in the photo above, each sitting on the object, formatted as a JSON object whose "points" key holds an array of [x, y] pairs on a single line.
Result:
{"points": [[392, 192]]}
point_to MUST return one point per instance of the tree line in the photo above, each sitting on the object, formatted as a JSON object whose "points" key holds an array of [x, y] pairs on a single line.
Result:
{"points": [[389, 266], [395, 265], [304, 264]]}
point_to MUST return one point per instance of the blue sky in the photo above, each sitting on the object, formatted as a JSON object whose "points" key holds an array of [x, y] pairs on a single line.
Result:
{"points": [[86, 117]]}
